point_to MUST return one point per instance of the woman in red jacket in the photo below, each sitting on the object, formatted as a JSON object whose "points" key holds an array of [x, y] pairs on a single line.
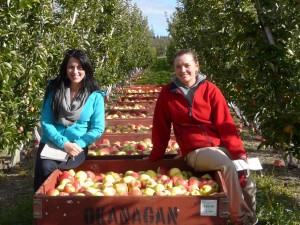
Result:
{"points": [[204, 130]]}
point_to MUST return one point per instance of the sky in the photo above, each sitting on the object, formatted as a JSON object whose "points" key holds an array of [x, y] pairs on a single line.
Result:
{"points": [[156, 12]]}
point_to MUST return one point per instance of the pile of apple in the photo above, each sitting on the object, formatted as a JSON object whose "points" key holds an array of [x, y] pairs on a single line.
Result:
{"points": [[140, 100], [129, 128], [134, 91], [143, 147], [129, 107], [164, 182], [125, 115], [143, 95]]}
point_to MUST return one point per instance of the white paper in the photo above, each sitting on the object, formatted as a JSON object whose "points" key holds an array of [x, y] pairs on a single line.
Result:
{"points": [[51, 151], [253, 164]]}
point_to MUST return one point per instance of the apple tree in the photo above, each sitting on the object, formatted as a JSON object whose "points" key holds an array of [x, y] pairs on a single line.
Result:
{"points": [[250, 49], [33, 38]]}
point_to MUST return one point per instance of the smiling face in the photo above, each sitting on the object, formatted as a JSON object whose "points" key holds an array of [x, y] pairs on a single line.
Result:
{"points": [[186, 69], [75, 71]]}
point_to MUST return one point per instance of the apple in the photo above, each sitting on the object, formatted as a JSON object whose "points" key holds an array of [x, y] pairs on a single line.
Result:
{"points": [[151, 173], [76, 184], [181, 182], [172, 152], [109, 191], [80, 175], [159, 188], [121, 153], [162, 178], [63, 193], [135, 191], [214, 185], [141, 145], [177, 191], [105, 141], [206, 177], [193, 183], [72, 172], [168, 183], [88, 183], [128, 178], [174, 171], [206, 190], [60, 187], [109, 178], [103, 151], [65, 181], [149, 183], [66, 175], [91, 190], [99, 193], [132, 173], [143, 176], [148, 191], [52, 192], [92, 152], [69, 188], [90, 174], [121, 189], [135, 183], [148, 142], [195, 192], [98, 185], [99, 177]]}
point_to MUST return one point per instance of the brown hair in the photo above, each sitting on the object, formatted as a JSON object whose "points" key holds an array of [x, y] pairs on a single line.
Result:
{"points": [[185, 51]]}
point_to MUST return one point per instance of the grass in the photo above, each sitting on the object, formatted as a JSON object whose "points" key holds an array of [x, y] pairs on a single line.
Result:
{"points": [[160, 73]]}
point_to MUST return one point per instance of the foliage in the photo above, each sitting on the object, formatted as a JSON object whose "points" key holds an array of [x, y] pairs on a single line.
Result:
{"points": [[33, 38], [251, 50], [160, 73], [160, 44], [275, 207]]}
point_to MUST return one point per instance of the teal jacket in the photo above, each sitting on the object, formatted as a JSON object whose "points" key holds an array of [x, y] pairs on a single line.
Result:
{"points": [[84, 132]]}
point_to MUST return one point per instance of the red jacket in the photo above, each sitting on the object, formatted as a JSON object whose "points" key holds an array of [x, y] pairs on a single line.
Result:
{"points": [[206, 123]]}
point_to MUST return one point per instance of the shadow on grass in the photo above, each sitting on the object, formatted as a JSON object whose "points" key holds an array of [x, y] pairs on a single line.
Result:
{"points": [[21, 213]]}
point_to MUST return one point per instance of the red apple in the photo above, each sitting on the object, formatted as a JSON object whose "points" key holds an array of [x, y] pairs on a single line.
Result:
{"points": [[69, 188], [90, 174], [141, 145], [181, 182], [76, 184], [66, 175], [52, 192], [135, 191]]}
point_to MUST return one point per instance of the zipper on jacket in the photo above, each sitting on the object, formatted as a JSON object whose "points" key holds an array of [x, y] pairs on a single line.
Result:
{"points": [[205, 135], [190, 111]]}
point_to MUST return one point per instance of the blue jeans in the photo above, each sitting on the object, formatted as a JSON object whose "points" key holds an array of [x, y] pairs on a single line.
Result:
{"points": [[44, 167]]}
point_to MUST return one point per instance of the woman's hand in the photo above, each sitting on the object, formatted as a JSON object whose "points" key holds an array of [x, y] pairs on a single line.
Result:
{"points": [[72, 148]]}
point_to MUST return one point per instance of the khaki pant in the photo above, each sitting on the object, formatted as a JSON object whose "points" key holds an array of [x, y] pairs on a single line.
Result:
{"points": [[242, 202]]}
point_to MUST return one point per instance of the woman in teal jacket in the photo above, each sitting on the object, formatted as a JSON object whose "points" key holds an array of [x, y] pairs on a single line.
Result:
{"points": [[73, 114]]}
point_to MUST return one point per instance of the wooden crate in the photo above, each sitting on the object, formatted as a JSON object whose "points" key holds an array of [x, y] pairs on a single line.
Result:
{"points": [[70, 210]]}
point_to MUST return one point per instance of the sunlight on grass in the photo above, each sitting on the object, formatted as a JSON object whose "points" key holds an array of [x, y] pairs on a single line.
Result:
{"points": [[275, 206]]}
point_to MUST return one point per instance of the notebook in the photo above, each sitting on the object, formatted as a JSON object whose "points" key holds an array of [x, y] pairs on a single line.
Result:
{"points": [[51, 151]]}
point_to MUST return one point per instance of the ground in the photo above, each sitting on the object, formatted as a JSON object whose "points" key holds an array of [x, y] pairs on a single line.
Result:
{"points": [[15, 184]]}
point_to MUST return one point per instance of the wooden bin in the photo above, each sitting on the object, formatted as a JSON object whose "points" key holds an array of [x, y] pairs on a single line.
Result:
{"points": [[88, 210]]}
